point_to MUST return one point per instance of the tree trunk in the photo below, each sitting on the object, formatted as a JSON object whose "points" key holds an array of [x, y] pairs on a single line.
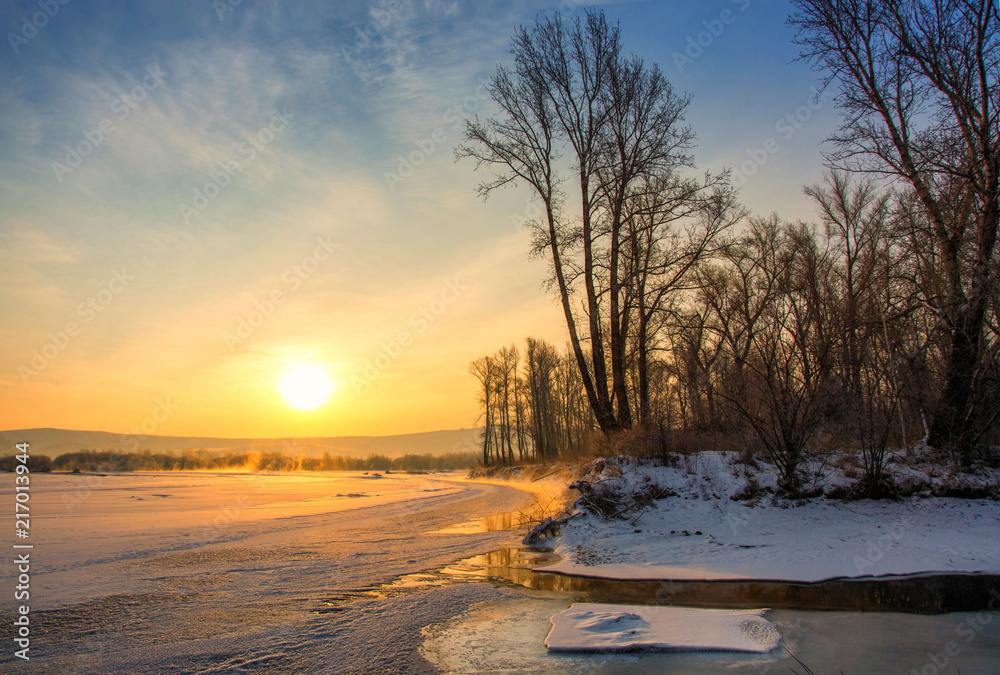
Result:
{"points": [[618, 327], [953, 427], [598, 403], [643, 368]]}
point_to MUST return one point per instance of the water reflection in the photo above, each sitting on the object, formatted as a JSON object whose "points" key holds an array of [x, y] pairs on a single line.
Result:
{"points": [[550, 504], [929, 594], [496, 523]]}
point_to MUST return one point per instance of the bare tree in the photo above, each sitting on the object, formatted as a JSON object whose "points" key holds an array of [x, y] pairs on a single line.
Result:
{"points": [[921, 102], [541, 366], [535, 411], [619, 122], [642, 147], [484, 370], [869, 313], [550, 100], [858, 228], [673, 226], [697, 358], [771, 308]]}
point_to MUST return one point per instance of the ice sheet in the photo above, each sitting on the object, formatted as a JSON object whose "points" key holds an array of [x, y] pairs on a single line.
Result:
{"points": [[507, 637], [594, 627], [85, 525]]}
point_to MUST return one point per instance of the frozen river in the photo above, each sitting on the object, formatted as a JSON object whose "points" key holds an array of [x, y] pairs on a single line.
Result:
{"points": [[227, 573], [298, 573]]}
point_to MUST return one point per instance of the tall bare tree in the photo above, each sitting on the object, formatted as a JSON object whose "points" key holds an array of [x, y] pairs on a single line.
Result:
{"points": [[672, 227], [541, 365], [553, 87], [484, 370], [921, 102], [573, 93], [858, 228]]}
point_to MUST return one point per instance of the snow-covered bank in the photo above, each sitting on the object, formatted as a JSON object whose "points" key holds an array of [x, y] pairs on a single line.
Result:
{"points": [[723, 521], [593, 627]]}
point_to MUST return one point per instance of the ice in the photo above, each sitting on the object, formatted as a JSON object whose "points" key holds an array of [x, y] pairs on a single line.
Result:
{"points": [[231, 572], [507, 636], [86, 525], [594, 627]]}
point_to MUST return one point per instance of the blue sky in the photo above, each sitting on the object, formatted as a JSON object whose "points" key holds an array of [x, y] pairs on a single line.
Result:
{"points": [[116, 116]]}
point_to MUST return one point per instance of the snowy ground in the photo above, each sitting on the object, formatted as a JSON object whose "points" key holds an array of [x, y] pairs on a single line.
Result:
{"points": [[702, 533], [84, 526]]}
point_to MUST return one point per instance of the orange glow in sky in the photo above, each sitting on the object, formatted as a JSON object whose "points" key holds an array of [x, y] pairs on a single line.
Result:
{"points": [[190, 210]]}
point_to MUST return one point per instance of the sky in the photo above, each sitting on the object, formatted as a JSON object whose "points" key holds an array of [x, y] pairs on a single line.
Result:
{"points": [[197, 196]]}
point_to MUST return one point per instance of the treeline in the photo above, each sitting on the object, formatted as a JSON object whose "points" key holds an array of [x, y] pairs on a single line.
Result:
{"points": [[36, 463], [92, 461], [878, 325], [533, 404]]}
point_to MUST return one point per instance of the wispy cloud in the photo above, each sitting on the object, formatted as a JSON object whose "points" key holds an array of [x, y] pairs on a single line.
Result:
{"points": [[366, 83]]}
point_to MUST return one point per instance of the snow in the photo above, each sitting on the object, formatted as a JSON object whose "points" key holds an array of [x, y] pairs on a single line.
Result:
{"points": [[703, 533], [594, 627]]}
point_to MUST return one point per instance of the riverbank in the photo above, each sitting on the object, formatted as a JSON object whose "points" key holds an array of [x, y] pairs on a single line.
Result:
{"points": [[716, 518], [709, 525]]}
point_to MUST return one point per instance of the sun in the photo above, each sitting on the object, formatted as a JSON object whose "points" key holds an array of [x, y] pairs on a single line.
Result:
{"points": [[305, 386]]}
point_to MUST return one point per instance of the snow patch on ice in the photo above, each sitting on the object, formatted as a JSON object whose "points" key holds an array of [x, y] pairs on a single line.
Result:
{"points": [[594, 627]]}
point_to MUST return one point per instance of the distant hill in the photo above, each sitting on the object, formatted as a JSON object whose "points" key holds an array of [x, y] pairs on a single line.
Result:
{"points": [[54, 442]]}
